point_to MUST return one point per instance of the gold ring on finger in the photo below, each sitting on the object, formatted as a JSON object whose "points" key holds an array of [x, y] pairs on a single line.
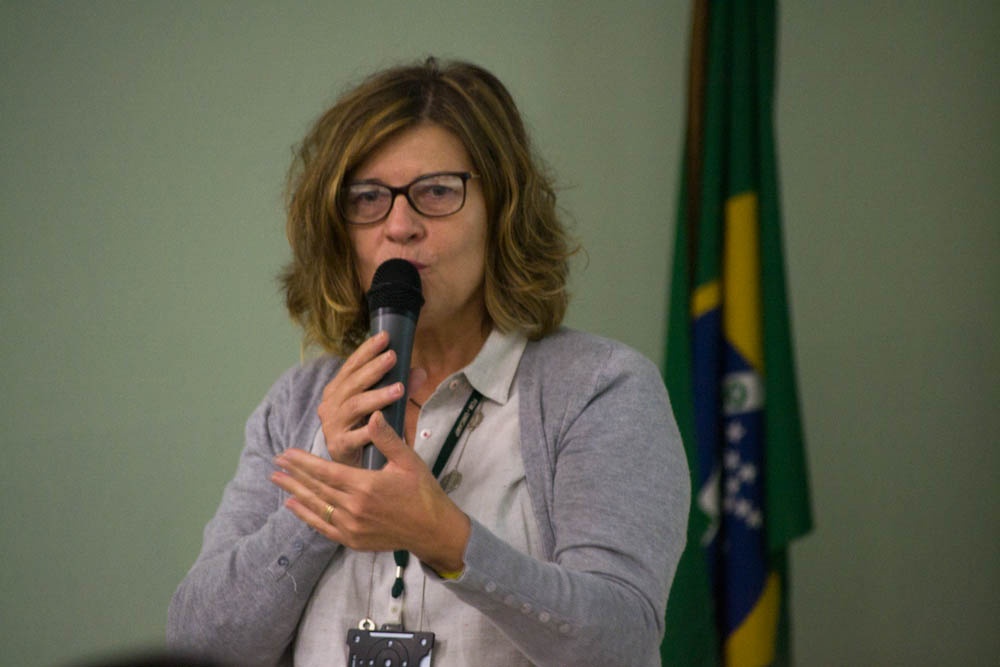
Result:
{"points": [[328, 513]]}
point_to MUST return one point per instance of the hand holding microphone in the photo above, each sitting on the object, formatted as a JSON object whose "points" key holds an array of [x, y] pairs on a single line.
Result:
{"points": [[394, 302], [367, 380]]}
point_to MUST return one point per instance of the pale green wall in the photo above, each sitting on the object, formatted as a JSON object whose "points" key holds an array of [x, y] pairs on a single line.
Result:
{"points": [[143, 150]]}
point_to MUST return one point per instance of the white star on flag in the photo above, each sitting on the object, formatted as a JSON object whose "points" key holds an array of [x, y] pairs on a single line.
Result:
{"points": [[735, 431], [732, 459], [748, 473]]}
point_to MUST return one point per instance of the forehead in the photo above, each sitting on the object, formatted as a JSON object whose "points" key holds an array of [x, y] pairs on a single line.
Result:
{"points": [[418, 150]]}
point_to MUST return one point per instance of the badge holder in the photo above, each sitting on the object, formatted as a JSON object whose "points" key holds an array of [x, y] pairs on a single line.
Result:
{"points": [[388, 647]]}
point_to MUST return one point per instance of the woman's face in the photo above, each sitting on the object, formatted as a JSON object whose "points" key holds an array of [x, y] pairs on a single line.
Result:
{"points": [[449, 252]]}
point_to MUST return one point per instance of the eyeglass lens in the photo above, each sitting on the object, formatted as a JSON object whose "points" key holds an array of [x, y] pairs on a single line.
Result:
{"points": [[434, 195]]}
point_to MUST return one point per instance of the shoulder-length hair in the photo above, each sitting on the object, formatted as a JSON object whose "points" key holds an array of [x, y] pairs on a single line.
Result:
{"points": [[527, 246]]}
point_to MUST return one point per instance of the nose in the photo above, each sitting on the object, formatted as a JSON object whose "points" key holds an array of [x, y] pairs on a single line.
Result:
{"points": [[403, 224]]}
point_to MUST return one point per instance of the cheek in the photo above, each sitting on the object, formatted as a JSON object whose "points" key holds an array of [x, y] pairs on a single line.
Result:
{"points": [[477, 236], [471, 250], [475, 266], [362, 258]]}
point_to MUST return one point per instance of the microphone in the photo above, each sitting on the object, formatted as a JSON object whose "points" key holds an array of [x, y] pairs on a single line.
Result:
{"points": [[394, 302]]}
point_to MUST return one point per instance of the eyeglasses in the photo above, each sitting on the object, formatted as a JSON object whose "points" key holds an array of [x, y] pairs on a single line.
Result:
{"points": [[433, 195]]}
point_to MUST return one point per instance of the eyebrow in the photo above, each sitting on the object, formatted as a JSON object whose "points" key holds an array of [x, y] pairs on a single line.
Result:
{"points": [[378, 181]]}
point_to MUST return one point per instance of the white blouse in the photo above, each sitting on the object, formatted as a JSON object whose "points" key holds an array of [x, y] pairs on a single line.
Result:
{"points": [[492, 490]]}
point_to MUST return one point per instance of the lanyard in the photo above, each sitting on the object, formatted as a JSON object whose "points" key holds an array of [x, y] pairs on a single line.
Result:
{"points": [[402, 557]]}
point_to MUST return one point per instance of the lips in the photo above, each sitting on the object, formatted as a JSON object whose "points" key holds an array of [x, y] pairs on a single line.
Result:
{"points": [[419, 266]]}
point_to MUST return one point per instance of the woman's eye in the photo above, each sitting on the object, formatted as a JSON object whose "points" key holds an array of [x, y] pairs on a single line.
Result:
{"points": [[364, 196], [439, 191]]}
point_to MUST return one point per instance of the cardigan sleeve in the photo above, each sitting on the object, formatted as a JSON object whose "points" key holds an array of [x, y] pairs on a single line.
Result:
{"points": [[615, 497], [241, 601]]}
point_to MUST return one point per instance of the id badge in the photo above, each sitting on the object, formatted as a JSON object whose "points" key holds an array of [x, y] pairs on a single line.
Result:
{"points": [[382, 648]]}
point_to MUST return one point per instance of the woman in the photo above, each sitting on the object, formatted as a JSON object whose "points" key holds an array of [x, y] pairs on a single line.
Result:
{"points": [[553, 533]]}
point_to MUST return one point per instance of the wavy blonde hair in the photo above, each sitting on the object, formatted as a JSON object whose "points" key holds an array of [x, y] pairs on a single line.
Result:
{"points": [[527, 246]]}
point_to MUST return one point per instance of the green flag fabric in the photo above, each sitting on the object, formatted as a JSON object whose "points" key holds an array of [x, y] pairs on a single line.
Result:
{"points": [[729, 363]]}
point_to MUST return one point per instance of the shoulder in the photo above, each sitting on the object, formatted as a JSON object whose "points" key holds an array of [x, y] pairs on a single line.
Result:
{"points": [[287, 415], [302, 382], [292, 399], [571, 355], [572, 372]]}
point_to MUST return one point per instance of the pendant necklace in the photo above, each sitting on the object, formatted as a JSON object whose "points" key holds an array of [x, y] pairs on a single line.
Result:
{"points": [[468, 420], [452, 479]]}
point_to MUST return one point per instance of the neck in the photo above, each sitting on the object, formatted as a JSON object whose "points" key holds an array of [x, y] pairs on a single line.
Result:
{"points": [[442, 352]]}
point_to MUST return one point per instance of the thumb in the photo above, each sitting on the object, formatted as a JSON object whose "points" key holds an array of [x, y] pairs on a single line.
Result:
{"points": [[385, 438]]}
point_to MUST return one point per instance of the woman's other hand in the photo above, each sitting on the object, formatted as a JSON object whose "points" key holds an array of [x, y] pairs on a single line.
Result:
{"points": [[400, 506]]}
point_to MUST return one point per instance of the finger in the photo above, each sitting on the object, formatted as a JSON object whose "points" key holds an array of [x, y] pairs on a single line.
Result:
{"points": [[331, 518], [359, 405], [346, 448], [359, 378], [365, 365], [368, 375], [309, 474], [386, 439], [348, 400], [306, 489], [312, 497], [367, 351], [344, 425], [304, 512]]}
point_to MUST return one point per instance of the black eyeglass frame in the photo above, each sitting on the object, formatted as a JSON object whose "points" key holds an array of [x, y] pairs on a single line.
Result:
{"points": [[404, 190]]}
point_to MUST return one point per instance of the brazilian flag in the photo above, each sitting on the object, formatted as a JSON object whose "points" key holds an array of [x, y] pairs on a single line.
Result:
{"points": [[729, 365]]}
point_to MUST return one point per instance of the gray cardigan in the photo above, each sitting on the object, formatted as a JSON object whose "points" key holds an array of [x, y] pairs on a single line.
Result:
{"points": [[607, 478]]}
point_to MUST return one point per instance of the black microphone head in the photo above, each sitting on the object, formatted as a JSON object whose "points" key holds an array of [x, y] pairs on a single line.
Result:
{"points": [[396, 285]]}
